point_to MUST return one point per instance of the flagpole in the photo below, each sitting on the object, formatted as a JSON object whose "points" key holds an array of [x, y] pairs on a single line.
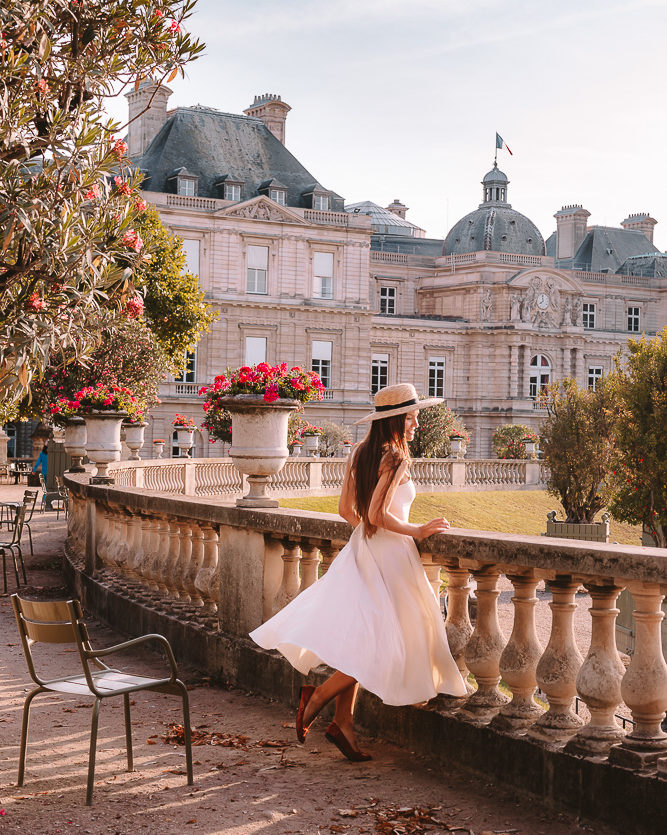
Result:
{"points": [[495, 158]]}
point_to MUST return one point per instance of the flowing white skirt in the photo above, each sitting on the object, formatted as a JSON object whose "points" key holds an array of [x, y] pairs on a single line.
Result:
{"points": [[373, 616]]}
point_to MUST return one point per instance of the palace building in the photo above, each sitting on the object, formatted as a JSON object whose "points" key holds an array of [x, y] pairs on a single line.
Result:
{"points": [[485, 318]]}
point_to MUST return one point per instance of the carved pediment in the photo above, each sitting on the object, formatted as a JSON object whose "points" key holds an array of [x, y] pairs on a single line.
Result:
{"points": [[545, 298], [262, 208]]}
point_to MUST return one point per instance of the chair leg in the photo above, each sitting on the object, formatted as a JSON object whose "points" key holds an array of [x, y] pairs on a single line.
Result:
{"points": [[24, 732], [27, 525], [16, 565], [187, 729], [25, 578], [4, 571], [128, 731], [91, 755]]}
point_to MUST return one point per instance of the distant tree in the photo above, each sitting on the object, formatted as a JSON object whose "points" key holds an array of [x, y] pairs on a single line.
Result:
{"points": [[331, 438], [507, 440], [577, 439], [69, 206], [432, 437], [639, 475]]}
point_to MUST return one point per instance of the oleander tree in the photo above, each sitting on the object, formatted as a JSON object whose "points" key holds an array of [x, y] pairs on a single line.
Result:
{"points": [[333, 435], [436, 425], [639, 475], [69, 204], [577, 439], [507, 440]]}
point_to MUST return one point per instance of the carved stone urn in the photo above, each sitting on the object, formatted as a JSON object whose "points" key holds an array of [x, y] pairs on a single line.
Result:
{"points": [[185, 440], [103, 442], [75, 443], [459, 445], [312, 444], [259, 442], [134, 438]]}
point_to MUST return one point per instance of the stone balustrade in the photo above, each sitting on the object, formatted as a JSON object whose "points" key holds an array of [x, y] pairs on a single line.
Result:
{"points": [[323, 476]]}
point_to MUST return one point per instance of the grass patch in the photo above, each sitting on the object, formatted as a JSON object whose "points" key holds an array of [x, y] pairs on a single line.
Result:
{"points": [[505, 511]]}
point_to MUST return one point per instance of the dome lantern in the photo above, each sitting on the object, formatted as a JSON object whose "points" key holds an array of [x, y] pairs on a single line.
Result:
{"points": [[494, 187]]}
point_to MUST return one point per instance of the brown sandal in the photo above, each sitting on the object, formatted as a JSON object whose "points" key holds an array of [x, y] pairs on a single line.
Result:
{"points": [[306, 692]]}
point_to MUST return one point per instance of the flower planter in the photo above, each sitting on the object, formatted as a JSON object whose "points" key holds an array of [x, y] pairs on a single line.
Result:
{"points": [[259, 442], [296, 450], [588, 531], [134, 438], [347, 448], [158, 447], [312, 444], [75, 443], [531, 447], [103, 442], [458, 447], [185, 440]]}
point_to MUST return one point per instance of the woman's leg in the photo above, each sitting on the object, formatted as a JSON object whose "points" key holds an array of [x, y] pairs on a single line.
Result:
{"points": [[332, 687]]}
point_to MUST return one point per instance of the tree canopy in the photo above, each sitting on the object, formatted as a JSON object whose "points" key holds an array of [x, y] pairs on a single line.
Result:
{"points": [[436, 424], [69, 207], [508, 440]]}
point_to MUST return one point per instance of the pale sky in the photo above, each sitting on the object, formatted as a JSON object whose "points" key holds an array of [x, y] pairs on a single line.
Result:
{"points": [[402, 98]]}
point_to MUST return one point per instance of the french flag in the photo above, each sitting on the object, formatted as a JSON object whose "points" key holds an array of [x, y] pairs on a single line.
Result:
{"points": [[500, 143]]}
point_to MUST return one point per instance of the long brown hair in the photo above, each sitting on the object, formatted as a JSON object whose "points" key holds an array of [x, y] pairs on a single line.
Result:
{"points": [[385, 435]]}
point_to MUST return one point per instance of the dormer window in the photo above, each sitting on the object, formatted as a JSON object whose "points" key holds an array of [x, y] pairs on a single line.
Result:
{"points": [[279, 195], [232, 191], [321, 202], [183, 182], [228, 188]]}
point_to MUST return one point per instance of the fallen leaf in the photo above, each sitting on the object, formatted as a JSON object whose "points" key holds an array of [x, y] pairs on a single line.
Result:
{"points": [[151, 742], [348, 813]]}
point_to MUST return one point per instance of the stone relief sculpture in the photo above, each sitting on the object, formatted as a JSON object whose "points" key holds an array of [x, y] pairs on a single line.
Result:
{"points": [[566, 317], [576, 312], [515, 306], [486, 306], [260, 211]]}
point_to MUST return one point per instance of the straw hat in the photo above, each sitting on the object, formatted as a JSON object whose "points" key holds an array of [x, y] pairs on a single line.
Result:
{"points": [[397, 400]]}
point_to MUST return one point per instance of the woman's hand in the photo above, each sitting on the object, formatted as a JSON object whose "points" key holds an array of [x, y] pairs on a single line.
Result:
{"points": [[434, 526]]}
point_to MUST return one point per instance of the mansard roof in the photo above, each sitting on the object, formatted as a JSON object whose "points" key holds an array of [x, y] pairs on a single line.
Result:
{"points": [[607, 248], [211, 144]]}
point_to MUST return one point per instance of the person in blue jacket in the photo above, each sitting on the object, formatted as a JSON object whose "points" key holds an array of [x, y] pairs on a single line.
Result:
{"points": [[41, 461]]}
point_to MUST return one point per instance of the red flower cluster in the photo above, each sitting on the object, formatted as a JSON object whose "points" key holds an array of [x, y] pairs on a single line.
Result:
{"points": [[36, 302], [89, 399], [183, 422], [134, 308], [132, 240], [122, 186], [119, 149], [140, 205], [93, 192]]}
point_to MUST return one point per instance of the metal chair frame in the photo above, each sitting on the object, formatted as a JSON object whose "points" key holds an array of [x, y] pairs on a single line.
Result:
{"points": [[14, 548], [61, 621], [28, 496]]}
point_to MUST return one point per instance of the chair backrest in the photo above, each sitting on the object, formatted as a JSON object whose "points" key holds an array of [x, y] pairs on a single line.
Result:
{"points": [[29, 499], [17, 531], [50, 622]]}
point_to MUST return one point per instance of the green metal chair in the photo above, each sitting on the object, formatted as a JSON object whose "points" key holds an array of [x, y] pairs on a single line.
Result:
{"points": [[13, 545], [61, 622]]}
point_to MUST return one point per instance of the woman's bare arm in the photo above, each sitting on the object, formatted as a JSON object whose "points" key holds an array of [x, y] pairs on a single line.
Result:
{"points": [[379, 514], [346, 501]]}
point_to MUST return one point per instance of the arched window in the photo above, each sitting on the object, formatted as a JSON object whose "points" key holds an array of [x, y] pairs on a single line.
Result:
{"points": [[540, 375]]}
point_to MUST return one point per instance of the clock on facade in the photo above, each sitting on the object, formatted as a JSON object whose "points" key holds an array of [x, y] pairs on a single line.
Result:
{"points": [[543, 301]]}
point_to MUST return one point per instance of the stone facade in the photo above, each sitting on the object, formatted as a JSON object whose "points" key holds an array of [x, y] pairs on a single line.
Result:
{"points": [[294, 281]]}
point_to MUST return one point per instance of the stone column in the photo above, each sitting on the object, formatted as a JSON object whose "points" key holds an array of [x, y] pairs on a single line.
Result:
{"points": [[310, 562], [172, 561], [518, 663], [289, 586], [644, 685], [484, 649], [133, 546], [209, 571], [457, 624], [514, 371], [558, 667], [328, 551], [600, 676], [432, 570], [195, 565]]}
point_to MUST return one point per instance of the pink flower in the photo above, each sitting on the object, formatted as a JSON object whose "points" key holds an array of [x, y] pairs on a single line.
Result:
{"points": [[201, 391], [140, 205], [42, 86], [36, 302], [133, 310], [175, 26], [297, 384], [119, 149], [122, 186], [263, 367], [93, 192], [132, 240], [272, 392]]}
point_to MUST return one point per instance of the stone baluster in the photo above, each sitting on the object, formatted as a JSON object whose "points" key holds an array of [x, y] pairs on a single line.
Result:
{"points": [[328, 551], [289, 585], [133, 546], [196, 562], [485, 648], [518, 663], [432, 571], [159, 556], [208, 578], [600, 676], [102, 535], [184, 560], [558, 667], [457, 624], [171, 568], [644, 685], [142, 563], [310, 563], [119, 540]]}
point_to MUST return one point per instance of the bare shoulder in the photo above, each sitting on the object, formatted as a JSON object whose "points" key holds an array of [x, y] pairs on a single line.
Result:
{"points": [[391, 461]]}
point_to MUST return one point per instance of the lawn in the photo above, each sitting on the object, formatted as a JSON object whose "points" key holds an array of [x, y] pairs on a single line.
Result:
{"points": [[509, 511]]}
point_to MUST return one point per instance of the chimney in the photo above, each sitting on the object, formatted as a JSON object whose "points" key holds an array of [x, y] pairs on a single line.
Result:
{"points": [[642, 222], [272, 111], [397, 208], [144, 126], [571, 227]]}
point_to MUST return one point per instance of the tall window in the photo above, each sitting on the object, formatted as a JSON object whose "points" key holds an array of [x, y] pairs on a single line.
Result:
{"points": [[321, 363], [379, 372], [387, 300], [595, 373], [436, 377], [321, 202], [633, 319], [232, 191], [189, 372], [540, 375], [258, 260], [255, 349], [588, 315], [323, 275], [191, 250], [278, 195]]}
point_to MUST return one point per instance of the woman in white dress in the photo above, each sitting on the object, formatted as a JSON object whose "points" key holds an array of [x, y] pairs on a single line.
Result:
{"points": [[373, 616]]}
